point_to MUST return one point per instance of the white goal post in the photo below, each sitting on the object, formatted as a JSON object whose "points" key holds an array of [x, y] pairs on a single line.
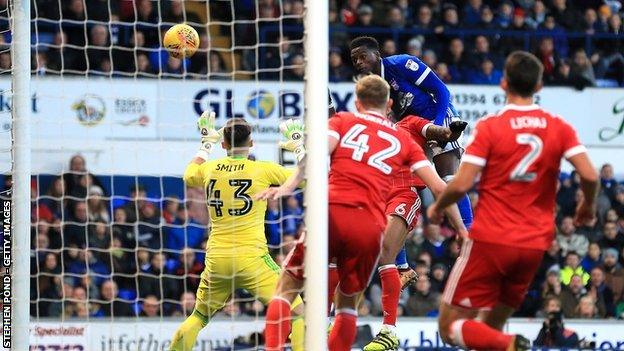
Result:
{"points": [[20, 50], [316, 48]]}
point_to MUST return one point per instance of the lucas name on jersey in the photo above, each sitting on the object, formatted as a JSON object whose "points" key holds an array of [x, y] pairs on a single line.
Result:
{"points": [[523, 122], [230, 168]]}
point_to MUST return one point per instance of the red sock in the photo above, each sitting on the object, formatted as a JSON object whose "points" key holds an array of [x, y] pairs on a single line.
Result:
{"points": [[390, 292], [478, 335], [344, 331], [333, 280], [277, 325]]}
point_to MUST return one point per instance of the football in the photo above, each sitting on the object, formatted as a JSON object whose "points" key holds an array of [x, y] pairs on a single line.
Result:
{"points": [[181, 41]]}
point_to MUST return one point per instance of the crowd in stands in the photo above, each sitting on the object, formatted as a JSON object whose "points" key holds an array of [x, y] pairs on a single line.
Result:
{"points": [[580, 42], [100, 254]]}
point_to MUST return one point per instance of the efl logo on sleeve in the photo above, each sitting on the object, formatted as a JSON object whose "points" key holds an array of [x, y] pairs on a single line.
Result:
{"points": [[411, 65]]}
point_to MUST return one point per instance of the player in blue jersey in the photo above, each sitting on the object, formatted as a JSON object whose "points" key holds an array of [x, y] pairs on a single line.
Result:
{"points": [[415, 90]]}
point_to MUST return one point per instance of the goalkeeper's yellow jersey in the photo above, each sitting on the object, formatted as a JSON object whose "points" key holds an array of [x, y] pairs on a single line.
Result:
{"points": [[237, 220]]}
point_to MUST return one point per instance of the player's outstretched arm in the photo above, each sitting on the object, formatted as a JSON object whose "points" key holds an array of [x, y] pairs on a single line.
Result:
{"points": [[209, 137], [454, 191], [434, 85], [437, 186], [586, 209]]}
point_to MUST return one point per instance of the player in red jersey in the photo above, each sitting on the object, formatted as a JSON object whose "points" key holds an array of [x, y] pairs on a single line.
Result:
{"points": [[366, 148], [402, 210], [518, 154]]}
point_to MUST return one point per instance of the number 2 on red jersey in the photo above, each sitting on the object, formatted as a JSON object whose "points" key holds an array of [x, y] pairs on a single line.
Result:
{"points": [[520, 173], [357, 140]]}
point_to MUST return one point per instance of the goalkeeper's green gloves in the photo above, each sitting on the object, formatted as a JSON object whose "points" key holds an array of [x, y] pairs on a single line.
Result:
{"points": [[209, 135], [293, 131]]}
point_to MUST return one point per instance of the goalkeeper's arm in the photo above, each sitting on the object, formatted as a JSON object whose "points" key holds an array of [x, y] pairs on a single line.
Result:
{"points": [[209, 137]]}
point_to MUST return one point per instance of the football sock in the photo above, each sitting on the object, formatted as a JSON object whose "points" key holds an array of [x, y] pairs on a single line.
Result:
{"points": [[465, 210], [184, 338], [472, 334], [344, 330], [277, 324], [297, 335], [401, 259], [333, 280], [390, 292]]}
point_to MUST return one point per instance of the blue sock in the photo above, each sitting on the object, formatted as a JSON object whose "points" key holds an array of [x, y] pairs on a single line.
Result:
{"points": [[466, 211], [401, 259]]}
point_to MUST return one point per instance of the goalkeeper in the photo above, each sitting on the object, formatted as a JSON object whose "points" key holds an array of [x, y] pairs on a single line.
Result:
{"points": [[237, 255]]}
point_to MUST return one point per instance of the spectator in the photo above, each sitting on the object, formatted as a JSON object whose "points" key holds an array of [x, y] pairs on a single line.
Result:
{"points": [[611, 237], [472, 12], [364, 16], [439, 273], [586, 308], [272, 223], [123, 230], [482, 52], [570, 241], [552, 258], [99, 46], [189, 268], [486, 19], [457, 61], [98, 211], [388, 48], [147, 19], [144, 67], [607, 181], [562, 76], [348, 13], [74, 179], [441, 69], [187, 305], [424, 19], [601, 293], [430, 58], [170, 209], [537, 15], [565, 15], [75, 231], [292, 215], [138, 197], [571, 295], [549, 58], [186, 231], [505, 14], [148, 230], [552, 284], [338, 71], [395, 18], [177, 14], [593, 257], [217, 68], [618, 204], [423, 302], [434, 242], [487, 75], [581, 70], [150, 307], [414, 47], [110, 304], [155, 280], [614, 274], [296, 70], [552, 29], [572, 267]]}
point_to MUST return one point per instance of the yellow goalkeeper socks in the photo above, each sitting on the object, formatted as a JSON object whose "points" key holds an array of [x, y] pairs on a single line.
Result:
{"points": [[186, 335], [297, 333]]}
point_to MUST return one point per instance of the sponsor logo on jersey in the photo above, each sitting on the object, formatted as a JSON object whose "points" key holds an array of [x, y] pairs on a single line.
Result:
{"points": [[411, 65]]}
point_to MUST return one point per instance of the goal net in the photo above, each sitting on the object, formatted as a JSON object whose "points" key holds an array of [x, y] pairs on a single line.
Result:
{"points": [[118, 242]]}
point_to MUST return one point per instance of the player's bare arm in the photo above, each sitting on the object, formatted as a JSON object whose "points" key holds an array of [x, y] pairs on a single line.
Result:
{"points": [[437, 186], [586, 209], [455, 190]]}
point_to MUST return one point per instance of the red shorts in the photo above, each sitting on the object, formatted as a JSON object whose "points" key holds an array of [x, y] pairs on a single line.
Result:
{"points": [[486, 274], [354, 243], [404, 202]]}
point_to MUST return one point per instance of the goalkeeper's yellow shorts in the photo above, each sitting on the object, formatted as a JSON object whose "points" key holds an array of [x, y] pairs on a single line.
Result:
{"points": [[223, 275]]}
